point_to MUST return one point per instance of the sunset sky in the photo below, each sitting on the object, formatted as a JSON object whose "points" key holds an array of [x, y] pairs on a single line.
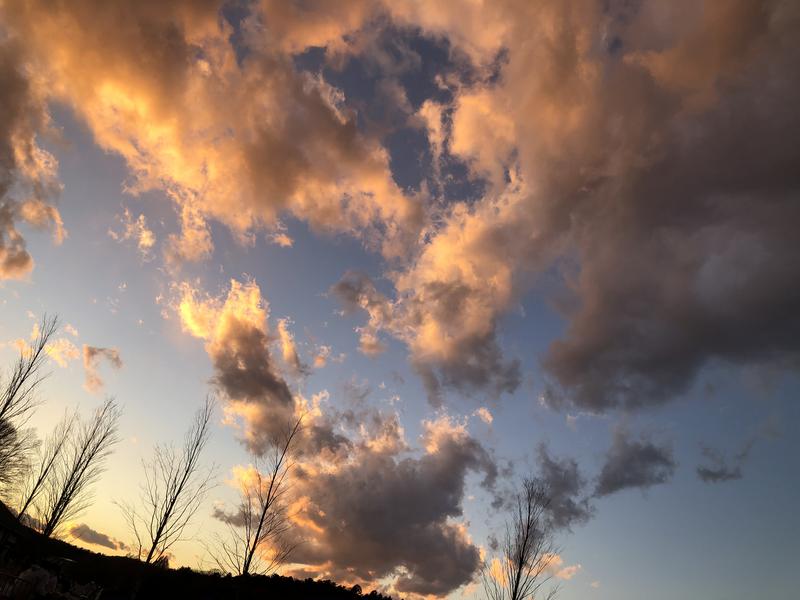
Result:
{"points": [[471, 240]]}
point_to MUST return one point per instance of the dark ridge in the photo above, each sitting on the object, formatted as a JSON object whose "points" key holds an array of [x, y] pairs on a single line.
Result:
{"points": [[79, 573]]}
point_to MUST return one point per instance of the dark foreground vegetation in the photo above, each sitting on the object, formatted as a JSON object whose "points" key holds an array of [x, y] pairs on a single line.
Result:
{"points": [[36, 566]]}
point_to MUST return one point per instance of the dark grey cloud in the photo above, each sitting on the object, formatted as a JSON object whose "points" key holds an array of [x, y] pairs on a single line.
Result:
{"points": [[235, 329], [245, 369], [719, 468], [478, 367], [476, 364], [234, 518], [380, 512], [634, 463], [85, 533], [686, 245], [658, 152], [569, 502]]}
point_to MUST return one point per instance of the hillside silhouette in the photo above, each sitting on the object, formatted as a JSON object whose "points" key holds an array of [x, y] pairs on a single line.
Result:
{"points": [[72, 572]]}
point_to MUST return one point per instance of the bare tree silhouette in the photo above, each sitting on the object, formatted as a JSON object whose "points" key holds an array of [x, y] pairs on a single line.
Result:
{"points": [[174, 487], [256, 541], [50, 453], [68, 490], [17, 402], [522, 569]]}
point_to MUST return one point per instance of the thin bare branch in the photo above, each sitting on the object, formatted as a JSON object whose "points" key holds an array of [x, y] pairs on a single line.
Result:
{"points": [[68, 492], [49, 455], [256, 540], [175, 486], [523, 568], [17, 402]]}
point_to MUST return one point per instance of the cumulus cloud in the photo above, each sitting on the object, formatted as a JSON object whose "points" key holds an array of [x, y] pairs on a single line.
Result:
{"points": [[355, 290], [632, 463], [569, 503], [237, 135], [614, 162], [379, 514], [28, 179], [281, 239], [321, 355], [371, 507], [451, 344], [92, 357], [235, 330], [648, 158], [83, 532]]}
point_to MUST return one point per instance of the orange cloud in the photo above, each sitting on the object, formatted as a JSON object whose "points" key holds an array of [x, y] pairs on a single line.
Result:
{"points": [[237, 141], [28, 173]]}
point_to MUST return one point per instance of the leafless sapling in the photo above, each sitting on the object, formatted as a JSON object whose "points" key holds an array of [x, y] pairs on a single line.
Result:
{"points": [[256, 540], [524, 567], [174, 488], [51, 452], [68, 491]]}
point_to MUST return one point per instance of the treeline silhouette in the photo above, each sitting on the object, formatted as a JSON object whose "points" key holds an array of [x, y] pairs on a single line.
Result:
{"points": [[85, 574]]}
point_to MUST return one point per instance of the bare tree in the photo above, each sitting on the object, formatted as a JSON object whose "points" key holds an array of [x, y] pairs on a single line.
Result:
{"points": [[527, 552], [17, 402], [257, 541], [175, 486], [50, 453], [68, 491]]}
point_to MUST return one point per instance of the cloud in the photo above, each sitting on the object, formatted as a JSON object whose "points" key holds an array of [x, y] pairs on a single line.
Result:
{"points": [[580, 157], [232, 134], [92, 356], [321, 355], [577, 160], [556, 568], [289, 350], [61, 350], [235, 330], [634, 464], [28, 178], [355, 290], [136, 230], [721, 469], [281, 239], [484, 415], [451, 344], [372, 508], [569, 505], [377, 514], [86, 534]]}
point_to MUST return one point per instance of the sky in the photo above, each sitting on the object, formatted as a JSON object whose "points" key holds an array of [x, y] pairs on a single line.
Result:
{"points": [[471, 242]]}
